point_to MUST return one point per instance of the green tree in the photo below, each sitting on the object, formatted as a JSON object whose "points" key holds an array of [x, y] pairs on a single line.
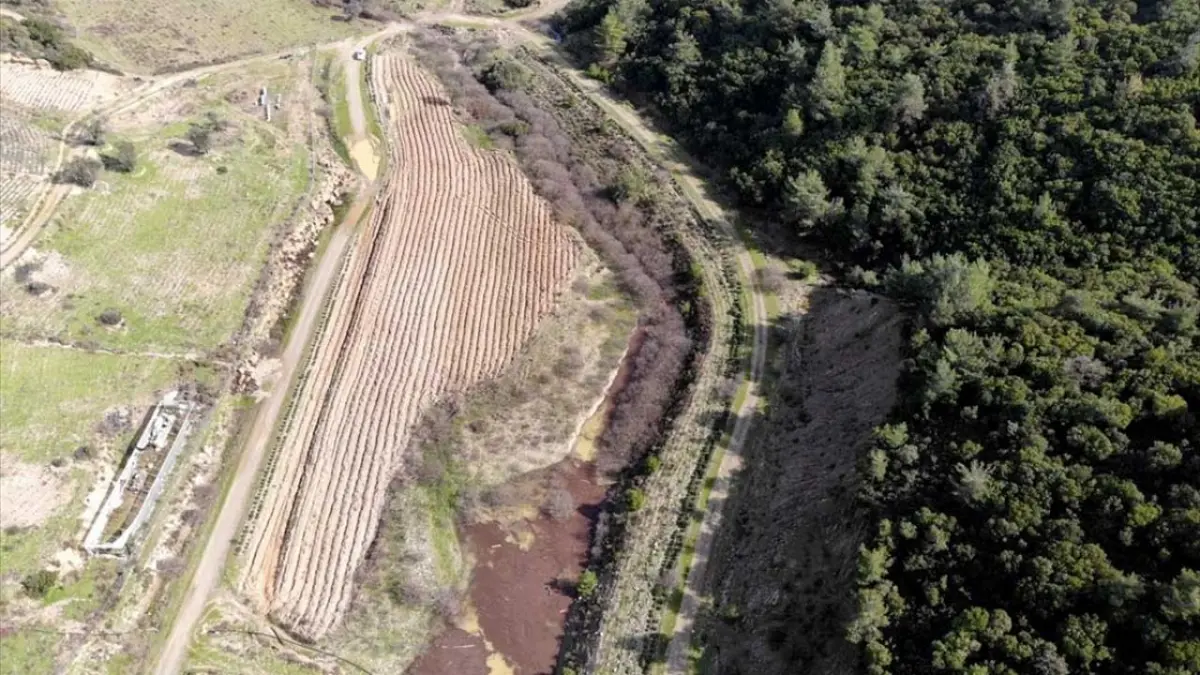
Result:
{"points": [[201, 137], [828, 86], [807, 199]]}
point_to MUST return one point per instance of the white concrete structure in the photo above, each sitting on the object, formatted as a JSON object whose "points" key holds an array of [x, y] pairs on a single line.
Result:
{"points": [[156, 437]]}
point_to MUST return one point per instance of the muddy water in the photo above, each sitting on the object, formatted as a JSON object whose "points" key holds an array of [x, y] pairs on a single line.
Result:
{"points": [[364, 157], [517, 605]]}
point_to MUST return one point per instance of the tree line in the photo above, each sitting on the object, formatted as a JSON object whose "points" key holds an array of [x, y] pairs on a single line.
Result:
{"points": [[1025, 176]]}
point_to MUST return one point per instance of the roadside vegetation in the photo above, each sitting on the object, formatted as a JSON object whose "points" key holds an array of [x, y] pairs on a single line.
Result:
{"points": [[1024, 178]]}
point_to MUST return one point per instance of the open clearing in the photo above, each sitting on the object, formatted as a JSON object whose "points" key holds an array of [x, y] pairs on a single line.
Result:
{"points": [[144, 36], [458, 265], [68, 416], [174, 246]]}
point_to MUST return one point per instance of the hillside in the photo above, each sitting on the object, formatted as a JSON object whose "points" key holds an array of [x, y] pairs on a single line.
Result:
{"points": [[1024, 176]]}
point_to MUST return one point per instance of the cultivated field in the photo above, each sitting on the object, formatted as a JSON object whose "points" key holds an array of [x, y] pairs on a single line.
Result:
{"points": [[44, 89], [144, 36], [459, 264], [23, 154]]}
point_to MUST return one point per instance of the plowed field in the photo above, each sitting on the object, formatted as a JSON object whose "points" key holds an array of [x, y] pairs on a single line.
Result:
{"points": [[459, 263]]}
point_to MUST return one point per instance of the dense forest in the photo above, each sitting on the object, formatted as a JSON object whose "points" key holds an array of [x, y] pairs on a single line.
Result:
{"points": [[1025, 176]]}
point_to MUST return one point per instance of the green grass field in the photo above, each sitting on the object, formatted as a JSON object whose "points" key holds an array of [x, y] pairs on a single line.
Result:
{"points": [[143, 36], [51, 399], [175, 247]]}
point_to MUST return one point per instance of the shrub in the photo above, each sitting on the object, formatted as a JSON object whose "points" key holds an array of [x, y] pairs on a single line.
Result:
{"points": [[653, 464], [109, 317], [200, 136], [36, 288], [632, 186], [39, 583], [505, 74], [93, 132], [124, 159], [804, 270], [599, 72], [559, 504], [587, 584], [81, 171], [635, 499], [769, 279], [41, 39]]}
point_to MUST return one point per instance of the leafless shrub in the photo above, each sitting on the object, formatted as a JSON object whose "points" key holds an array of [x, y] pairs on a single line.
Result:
{"points": [[170, 568], [447, 604], [38, 288], [190, 517], [116, 422], [109, 317], [559, 504], [569, 362], [23, 272]]}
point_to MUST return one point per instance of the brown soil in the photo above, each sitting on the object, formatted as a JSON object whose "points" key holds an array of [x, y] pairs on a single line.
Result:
{"points": [[517, 590]]}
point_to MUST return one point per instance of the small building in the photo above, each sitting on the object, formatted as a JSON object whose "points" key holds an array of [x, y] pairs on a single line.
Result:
{"points": [[360, 54]]}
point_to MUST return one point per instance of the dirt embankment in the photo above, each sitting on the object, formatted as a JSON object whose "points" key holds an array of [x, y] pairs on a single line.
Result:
{"points": [[783, 567]]}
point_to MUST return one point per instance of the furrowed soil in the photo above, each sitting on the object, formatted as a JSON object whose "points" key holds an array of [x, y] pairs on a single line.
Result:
{"points": [[459, 264]]}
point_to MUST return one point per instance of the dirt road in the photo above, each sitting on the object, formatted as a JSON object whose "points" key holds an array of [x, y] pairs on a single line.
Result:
{"points": [[233, 508], [47, 203], [731, 463]]}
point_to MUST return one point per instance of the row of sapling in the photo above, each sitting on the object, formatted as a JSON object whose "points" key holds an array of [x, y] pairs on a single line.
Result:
{"points": [[610, 204], [627, 235]]}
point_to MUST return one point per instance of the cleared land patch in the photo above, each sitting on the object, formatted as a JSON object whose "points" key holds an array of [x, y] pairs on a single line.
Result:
{"points": [[172, 247], [147, 36], [458, 265], [791, 521]]}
